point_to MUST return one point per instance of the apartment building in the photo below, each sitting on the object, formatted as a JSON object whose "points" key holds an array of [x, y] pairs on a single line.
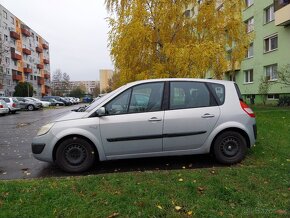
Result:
{"points": [[269, 22], [24, 56], [89, 86], [105, 76]]}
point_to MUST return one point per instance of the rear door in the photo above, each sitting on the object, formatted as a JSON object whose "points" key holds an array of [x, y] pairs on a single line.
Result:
{"points": [[192, 115]]}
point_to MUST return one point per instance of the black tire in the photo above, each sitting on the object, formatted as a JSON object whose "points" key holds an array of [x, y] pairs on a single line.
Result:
{"points": [[230, 147], [13, 112], [30, 107], [75, 155]]}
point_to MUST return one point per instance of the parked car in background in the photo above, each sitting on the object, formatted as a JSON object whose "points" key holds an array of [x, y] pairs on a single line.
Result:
{"points": [[58, 98], [27, 104], [54, 102], [4, 109], [150, 118], [44, 103], [12, 103]]}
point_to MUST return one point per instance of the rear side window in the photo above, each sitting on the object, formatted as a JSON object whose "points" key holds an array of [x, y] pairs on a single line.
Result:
{"points": [[189, 95], [219, 91], [6, 100]]}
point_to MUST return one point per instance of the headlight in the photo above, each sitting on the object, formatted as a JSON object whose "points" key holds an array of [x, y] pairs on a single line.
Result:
{"points": [[44, 129]]}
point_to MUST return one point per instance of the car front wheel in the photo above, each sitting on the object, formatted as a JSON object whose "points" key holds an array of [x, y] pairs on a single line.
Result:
{"points": [[30, 107], [230, 147], [75, 155]]}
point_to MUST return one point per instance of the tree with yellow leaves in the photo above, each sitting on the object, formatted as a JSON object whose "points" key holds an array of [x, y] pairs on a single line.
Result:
{"points": [[175, 38]]}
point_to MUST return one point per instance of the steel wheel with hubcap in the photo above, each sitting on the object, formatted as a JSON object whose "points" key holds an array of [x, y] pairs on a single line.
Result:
{"points": [[30, 107], [230, 147], [75, 155]]}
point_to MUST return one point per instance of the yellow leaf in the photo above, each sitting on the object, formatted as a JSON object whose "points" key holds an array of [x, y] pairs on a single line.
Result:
{"points": [[180, 180], [159, 207], [178, 208], [189, 213]]}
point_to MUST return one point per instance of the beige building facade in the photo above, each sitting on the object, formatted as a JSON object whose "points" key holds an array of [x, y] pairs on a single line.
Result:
{"points": [[105, 76]]}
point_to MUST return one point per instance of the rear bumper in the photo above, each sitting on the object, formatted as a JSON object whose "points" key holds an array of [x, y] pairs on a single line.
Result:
{"points": [[4, 111]]}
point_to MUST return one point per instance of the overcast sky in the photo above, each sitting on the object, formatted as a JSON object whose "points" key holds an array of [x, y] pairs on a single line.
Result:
{"points": [[75, 29]]}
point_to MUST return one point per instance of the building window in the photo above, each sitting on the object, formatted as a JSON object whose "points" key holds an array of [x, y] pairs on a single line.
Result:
{"points": [[249, 76], [7, 71], [249, 3], [232, 77], [6, 38], [271, 72], [5, 14], [250, 52], [273, 97], [271, 43], [7, 60], [269, 14], [5, 26], [250, 24], [12, 20], [15, 63]]}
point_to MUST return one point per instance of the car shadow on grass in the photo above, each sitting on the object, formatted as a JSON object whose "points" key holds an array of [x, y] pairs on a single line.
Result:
{"points": [[139, 165]]}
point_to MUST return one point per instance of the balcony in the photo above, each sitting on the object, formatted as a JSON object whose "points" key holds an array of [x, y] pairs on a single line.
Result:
{"points": [[45, 61], [40, 81], [27, 70], [25, 32], [282, 12], [16, 56], [46, 75], [40, 66], [14, 35], [47, 90], [26, 51], [45, 46], [39, 50], [16, 76]]}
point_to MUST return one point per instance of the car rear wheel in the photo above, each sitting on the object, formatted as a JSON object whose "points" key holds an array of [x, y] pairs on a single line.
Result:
{"points": [[75, 155], [30, 107], [230, 147]]}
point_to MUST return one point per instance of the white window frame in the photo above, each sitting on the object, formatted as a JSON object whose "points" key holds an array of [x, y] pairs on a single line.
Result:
{"points": [[247, 76], [249, 3], [269, 42], [250, 24], [250, 48], [273, 76], [12, 20], [271, 12], [5, 14]]}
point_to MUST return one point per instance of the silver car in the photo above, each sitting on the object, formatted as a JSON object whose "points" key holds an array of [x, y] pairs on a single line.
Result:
{"points": [[13, 104], [151, 118], [4, 109]]}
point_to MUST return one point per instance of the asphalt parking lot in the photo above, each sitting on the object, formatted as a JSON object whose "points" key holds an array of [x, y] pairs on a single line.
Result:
{"points": [[17, 162]]}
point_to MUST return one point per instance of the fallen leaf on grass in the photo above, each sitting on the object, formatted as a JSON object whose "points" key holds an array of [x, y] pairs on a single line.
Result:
{"points": [[281, 212], [200, 189], [183, 167], [158, 206], [178, 208], [113, 215], [180, 180], [189, 213]]}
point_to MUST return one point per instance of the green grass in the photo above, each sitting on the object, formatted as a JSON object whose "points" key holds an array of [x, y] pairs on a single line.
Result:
{"points": [[259, 187]]}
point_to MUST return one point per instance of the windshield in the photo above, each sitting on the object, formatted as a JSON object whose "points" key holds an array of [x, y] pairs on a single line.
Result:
{"points": [[101, 99]]}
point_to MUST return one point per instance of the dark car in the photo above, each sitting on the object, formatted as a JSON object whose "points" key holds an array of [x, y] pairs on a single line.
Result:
{"points": [[54, 102], [57, 98]]}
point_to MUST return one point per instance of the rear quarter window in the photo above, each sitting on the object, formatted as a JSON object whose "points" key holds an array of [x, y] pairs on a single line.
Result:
{"points": [[218, 91]]}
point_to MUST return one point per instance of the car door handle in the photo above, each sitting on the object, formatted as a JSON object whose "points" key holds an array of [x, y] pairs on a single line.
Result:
{"points": [[154, 119], [207, 115]]}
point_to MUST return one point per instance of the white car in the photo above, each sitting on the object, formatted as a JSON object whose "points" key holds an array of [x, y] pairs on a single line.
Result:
{"points": [[4, 109], [44, 103]]}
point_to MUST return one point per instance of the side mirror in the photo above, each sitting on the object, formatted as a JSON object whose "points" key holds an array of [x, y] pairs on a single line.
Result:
{"points": [[101, 111]]}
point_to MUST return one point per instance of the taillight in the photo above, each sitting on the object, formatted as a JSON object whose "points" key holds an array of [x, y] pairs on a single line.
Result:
{"points": [[247, 109], [1, 106], [13, 105]]}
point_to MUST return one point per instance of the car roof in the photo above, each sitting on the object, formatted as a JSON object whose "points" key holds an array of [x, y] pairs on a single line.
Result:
{"points": [[181, 79]]}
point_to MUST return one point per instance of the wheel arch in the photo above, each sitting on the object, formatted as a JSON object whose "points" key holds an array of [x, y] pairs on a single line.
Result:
{"points": [[70, 136], [234, 129]]}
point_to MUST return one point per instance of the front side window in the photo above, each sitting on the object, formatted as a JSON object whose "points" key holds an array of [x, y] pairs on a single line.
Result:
{"points": [[249, 76], [269, 14], [271, 72], [146, 98], [141, 98], [271, 43], [189, 95]]}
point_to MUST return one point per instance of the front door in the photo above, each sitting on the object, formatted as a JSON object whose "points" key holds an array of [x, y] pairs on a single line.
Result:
{"points": [[134, 121], [191, 117]]}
